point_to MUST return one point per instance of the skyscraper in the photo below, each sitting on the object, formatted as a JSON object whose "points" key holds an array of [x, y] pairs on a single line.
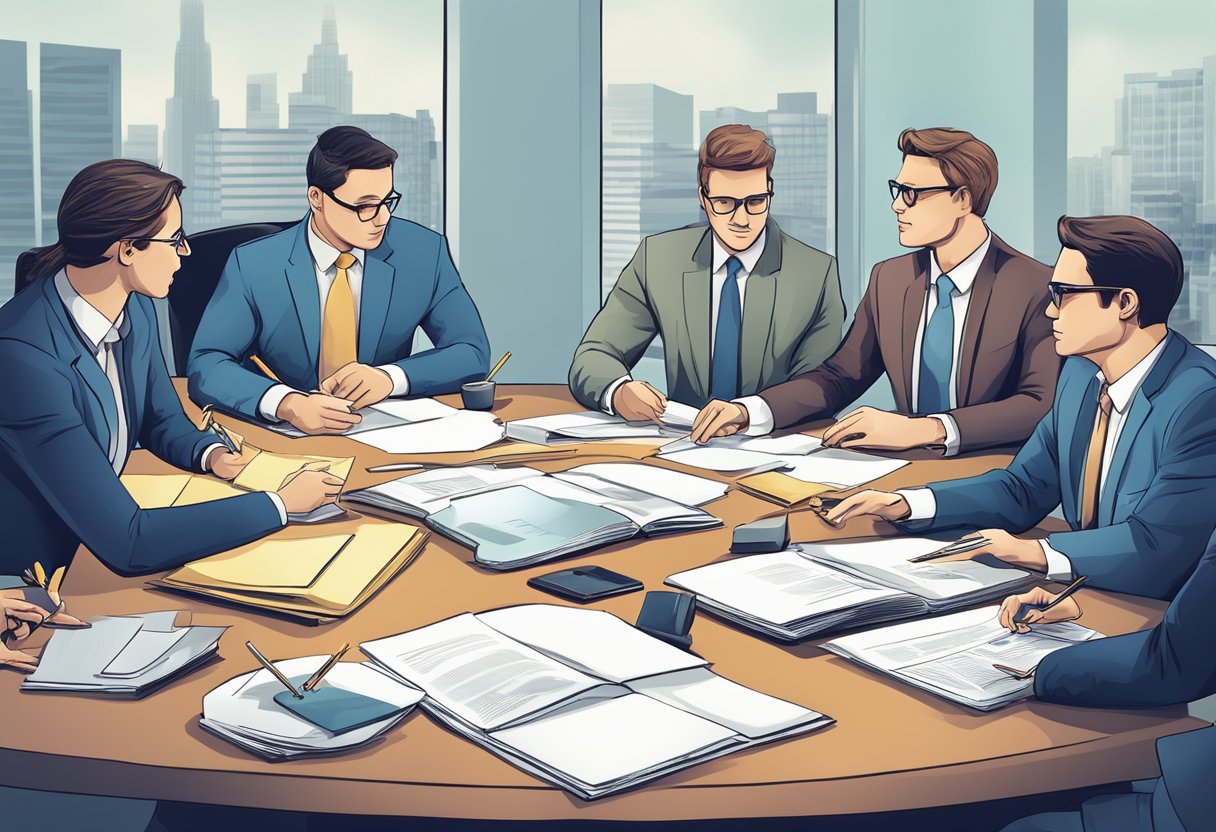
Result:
{"points": [[141, 143], [17, 220], [80, 118], [257, 175], [190, 115], [324, 99], [262, 102], [412, 138], [1086, 186]]}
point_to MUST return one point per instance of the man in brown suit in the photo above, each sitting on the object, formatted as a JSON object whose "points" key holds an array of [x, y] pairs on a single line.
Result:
{"points": [[958, 326]]}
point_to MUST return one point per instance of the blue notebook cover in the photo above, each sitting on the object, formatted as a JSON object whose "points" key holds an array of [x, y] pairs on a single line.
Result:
{"points": [[335, 709]]}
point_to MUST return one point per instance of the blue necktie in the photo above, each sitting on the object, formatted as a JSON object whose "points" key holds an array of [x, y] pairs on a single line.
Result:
{"points": [[937, 353], [724, 380]]}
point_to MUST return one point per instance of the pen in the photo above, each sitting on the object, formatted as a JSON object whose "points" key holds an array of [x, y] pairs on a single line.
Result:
{"points": [[404, 466], [1026, 609], [966, 544], [274, 670], [315, 679], [498, 366]]}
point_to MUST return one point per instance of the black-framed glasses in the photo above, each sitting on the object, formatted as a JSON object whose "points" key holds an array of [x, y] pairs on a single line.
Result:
{"points": [[726, 205], [910, 194], [178, 240], [367, 213], [1057, 291]]}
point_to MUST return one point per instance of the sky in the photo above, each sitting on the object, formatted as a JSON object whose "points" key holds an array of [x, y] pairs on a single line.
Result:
{"points": [[395, 48]]}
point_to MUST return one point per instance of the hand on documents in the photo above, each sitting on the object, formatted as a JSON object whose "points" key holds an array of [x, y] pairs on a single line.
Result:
{"points": [[637, 401], [880, 504], [315, 413], [1027, 554], [227, 465], [718, 418], [19, 617], [359, 384], [1066, 610], [868, 427], [309, 488]]}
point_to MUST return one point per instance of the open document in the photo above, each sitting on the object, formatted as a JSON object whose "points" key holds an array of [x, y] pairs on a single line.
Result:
{"points": [[741, 454], [580, 698], [591, 425], [953, 656], [817, 588]]}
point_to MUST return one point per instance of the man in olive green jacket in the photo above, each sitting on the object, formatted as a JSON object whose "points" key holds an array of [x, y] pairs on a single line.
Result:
{"points": [[740, 305]]}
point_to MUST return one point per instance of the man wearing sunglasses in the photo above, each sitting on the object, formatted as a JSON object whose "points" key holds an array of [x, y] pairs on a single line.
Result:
{"points": [[313, 323], [1129, 446], [957, 326], [740, 305]]}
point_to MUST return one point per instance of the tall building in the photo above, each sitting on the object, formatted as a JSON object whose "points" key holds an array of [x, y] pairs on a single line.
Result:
{"points": [[17, 220], [437, 208], [80, 118], [325, 96], [257, 175], [142, 143], [262, 102], [1086, 186], [649, 170], [190, 115], [413, 139]]}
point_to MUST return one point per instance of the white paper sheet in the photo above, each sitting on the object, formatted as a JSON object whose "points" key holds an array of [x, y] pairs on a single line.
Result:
{"points": [[682, 488], [841, 468], [726, 460], [464, 430]]}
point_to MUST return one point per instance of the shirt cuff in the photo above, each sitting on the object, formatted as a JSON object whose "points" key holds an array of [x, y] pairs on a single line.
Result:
{"points": [[759, 415], [268, 407], [606, 399], [1059, 567], [204, 459], [951, 428], [401, 382], [922, 505], [279, 505]]}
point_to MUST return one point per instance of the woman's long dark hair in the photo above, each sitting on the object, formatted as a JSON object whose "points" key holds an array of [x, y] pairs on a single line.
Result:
{"points": [[106, 202]]}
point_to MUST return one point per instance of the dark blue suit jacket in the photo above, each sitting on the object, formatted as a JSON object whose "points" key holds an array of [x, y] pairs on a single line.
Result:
{"points": [[1155, 513], [57, 487], [266, 304]]}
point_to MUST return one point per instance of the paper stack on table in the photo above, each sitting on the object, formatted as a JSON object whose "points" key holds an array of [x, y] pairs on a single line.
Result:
{"points": [[741, 454], [592, 425], [243, 710], [122, 655]]}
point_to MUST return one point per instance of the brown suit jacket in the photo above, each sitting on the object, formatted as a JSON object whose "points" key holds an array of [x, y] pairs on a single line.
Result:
{"points": [[1007, 364]]}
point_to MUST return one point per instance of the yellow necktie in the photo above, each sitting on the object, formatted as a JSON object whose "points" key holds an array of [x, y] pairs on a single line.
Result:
{"points": [[1092, 478], [338, 326]]}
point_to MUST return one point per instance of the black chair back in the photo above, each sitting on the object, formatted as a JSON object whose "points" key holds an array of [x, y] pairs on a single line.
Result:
{"points": [[199, 275]]}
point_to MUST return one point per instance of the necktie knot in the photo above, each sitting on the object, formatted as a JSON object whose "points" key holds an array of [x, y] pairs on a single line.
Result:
{"points": [[945, 291], [1104, 401], [733, 267], [346, 260]]}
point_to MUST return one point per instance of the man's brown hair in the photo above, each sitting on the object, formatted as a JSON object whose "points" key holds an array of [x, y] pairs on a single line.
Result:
{"points": [[966, 162], [734, 147]]}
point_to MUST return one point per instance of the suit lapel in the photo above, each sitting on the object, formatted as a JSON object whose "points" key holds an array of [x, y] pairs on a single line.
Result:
{"points": [[973, 326], [82, 360], [697, 310], [301, 277], [374, 300], [911, 311]]}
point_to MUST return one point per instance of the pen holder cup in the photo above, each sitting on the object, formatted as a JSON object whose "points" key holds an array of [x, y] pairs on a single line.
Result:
{"points": [[478, 395]]}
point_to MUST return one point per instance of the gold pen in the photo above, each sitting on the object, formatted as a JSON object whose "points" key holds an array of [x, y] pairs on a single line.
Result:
{"points": [[315, 679], [266, 663]]}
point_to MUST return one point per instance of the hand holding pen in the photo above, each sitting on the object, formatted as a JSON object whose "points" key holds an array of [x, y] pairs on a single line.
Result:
{"points": [[1039, 606]]}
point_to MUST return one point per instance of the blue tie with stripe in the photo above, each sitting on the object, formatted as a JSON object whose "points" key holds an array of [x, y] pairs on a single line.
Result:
{"points": [[724, 378], [937, 353]]}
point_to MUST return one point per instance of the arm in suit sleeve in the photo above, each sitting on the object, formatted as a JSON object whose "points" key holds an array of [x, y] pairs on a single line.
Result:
{"points": [[617, 337], [1010, 420], [225, 339], [822, 337], [1169, 664], [45, 434], [461, 351], [1153, 550], [852, 368]]}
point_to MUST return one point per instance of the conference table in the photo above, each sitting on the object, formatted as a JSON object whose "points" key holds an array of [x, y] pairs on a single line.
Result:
{"points": [[892, 747]]}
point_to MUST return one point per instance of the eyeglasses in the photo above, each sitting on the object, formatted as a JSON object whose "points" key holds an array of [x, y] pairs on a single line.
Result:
{"points": [[178, 240], [911, 194], [1057, 291], [367, 213], [727, 205]]}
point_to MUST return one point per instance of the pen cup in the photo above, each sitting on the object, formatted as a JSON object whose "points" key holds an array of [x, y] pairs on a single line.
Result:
{"points": [[478, 395]]}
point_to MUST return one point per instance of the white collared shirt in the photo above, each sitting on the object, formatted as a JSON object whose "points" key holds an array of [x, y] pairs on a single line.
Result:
{"points": [[325, 264], [717, 279]]}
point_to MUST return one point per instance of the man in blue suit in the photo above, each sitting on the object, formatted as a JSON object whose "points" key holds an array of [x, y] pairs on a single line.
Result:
{"points": [[1167, 665], [317, 321], [1129, 446]]}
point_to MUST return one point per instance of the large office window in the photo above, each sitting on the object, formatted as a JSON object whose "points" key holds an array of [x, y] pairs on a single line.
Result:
{"points": [[1142, 130], [229, 95]]}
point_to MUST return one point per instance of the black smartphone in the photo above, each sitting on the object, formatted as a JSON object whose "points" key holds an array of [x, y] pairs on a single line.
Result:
{"points": [[585, 583], [668, 616]]}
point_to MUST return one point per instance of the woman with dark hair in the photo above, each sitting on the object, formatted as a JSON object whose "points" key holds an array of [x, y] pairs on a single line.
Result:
{"points": [[84, 382]]}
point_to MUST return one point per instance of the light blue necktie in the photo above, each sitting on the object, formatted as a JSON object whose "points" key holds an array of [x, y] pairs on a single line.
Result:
{"points": [[724, 380], [937, 353]]}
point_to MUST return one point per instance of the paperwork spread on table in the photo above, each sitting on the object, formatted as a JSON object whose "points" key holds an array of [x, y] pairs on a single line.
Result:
{"points": [[592, 425], [386, 414]]}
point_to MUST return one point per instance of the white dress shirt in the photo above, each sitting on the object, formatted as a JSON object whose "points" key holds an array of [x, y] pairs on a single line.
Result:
{"points": [[923, 504], [760, 416], [324, 261], [718, 274]]}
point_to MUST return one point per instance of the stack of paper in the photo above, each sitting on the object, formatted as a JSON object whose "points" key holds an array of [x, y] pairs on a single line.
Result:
{"points": [[580, 698], [310, 579], [741, 454], [243, 710], [953, 656], [818, 588], [127, 655], [824, 469], [592, 425]]}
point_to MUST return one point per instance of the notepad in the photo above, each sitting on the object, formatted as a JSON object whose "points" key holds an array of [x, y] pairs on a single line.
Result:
{"points": [[336, 709]]}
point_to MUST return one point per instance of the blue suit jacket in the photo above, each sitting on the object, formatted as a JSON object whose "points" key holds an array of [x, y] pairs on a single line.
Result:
{"points": [[57, 487], [266, 304], [1155, 512]]}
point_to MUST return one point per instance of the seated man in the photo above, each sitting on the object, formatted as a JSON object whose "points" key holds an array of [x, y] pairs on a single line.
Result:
{"points": [[740, 306], [332, 304], [1170, 664], [1129, 446], [957, 326]]}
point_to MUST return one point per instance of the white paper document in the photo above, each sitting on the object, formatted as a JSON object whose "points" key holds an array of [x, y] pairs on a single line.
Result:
{"points": [[463, 430], [726, 460], [386, 414], [842, 468], [427, 492], [673, 485]]}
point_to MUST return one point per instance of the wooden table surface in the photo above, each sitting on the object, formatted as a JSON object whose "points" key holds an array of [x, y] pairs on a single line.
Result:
{"points": [[891, 748]]}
